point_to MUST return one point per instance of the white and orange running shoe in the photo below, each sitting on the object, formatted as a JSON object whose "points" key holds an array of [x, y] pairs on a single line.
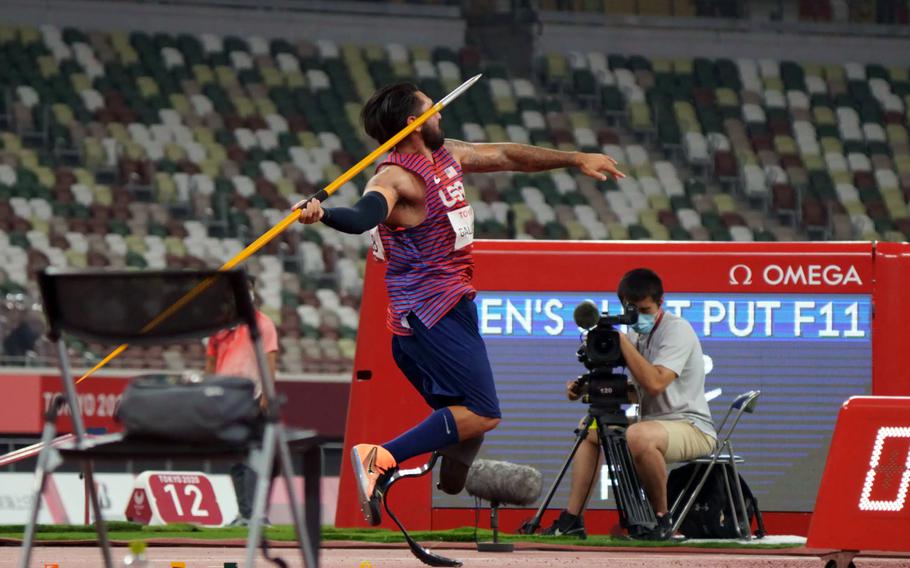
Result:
{"points": [[373, 466]]}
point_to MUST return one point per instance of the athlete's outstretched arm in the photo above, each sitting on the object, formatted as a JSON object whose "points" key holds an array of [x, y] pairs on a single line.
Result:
{"points": [[524, 158]]}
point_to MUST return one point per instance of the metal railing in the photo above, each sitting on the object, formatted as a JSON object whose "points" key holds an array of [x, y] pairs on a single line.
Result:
{"points": [[450, 9]]}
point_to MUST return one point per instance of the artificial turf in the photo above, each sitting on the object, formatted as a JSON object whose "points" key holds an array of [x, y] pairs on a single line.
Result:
{"points": [[126, 531]]}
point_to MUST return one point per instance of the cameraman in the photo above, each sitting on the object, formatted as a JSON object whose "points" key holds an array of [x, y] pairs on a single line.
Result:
{"points": [[666, 364]]}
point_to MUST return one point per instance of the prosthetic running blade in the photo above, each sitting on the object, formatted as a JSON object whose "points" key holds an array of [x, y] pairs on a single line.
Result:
{"points": [[420, 552]]}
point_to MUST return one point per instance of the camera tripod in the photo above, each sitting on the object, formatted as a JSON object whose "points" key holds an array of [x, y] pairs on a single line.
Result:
{"points": [[635, 512]]}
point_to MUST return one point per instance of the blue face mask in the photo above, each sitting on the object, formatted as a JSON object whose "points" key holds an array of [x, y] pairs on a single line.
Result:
{"points": [[645, 323]]}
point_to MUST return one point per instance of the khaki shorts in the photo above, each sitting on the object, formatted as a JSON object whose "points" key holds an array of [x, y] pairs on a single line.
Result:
{"points": [[685, 441]]}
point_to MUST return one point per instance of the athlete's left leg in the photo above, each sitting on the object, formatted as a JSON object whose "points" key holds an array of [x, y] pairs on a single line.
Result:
{"points": [[447, 362]]}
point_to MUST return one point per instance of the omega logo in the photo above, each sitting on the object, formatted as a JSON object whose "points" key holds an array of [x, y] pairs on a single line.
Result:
{"points": [[743, 271], [789, 275]]}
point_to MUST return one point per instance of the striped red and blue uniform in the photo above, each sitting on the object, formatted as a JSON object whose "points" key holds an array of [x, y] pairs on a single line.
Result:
{"points": [[436, 342], [426, 274]]}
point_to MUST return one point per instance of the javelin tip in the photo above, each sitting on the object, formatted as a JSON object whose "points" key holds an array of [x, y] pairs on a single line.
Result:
{"points": [[460, 89]]}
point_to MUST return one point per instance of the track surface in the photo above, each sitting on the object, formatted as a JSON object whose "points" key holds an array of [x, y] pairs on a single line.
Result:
{"points": [[215, 557]]}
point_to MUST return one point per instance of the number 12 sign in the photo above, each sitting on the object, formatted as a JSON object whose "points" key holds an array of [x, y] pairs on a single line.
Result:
{"points": [[862, 501], [165, 497]]}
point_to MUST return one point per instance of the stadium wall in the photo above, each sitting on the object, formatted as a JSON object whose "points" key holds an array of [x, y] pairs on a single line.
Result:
{"points": [[352, 22]]}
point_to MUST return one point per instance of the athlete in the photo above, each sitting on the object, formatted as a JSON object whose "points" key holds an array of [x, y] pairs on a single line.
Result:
{"points": [[423, 228]]}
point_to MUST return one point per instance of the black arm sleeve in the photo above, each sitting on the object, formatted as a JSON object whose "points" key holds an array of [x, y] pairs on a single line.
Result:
{"points": [[368, 212]]}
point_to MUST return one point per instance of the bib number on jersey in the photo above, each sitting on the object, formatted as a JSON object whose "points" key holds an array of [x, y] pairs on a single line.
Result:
{"points": [[376, 240], [462, 221]]}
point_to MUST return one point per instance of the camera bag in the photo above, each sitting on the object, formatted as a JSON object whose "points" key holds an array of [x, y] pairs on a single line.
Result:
{"points": [[220, 409], [710, 515]]}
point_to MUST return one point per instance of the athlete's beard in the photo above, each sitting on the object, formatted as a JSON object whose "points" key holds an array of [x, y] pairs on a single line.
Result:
{"points": [[433, 139]]}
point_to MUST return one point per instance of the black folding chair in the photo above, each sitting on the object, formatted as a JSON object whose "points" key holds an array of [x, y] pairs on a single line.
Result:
{"points": [[724, 457], [155, 307]]}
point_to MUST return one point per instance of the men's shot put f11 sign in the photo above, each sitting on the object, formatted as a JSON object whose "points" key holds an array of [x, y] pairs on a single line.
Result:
{"points": [[166, 497], [862, 501]]}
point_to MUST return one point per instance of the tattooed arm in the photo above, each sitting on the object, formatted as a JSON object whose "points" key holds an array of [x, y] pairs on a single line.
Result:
{"points": [[524, 158]]}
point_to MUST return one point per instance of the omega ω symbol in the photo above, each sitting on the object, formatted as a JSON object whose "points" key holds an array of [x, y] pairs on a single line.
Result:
{"points": [[743, 272]]}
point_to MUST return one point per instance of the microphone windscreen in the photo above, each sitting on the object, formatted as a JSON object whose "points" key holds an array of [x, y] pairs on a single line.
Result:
{"points": [[503, 482], [586, 314]]}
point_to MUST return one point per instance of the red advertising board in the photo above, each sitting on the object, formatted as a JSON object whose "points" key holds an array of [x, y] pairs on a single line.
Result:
{"points": [[184, 498], [163, 498], [98, 400], [26, 396], [386, 404], [862, 502]]}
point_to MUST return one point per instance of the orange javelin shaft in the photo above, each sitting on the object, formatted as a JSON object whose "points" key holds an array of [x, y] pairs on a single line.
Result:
{"points": [[321, 195]]}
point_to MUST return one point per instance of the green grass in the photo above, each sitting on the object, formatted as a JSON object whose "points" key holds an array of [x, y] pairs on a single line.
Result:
{"points": [[120, 530], [124, 531]]}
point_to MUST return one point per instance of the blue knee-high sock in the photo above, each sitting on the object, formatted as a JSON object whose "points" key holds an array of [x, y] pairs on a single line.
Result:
{"points": [[434, 433]]}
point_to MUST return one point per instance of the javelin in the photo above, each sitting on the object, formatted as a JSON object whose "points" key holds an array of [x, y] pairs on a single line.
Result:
{"points": [[321, 195]]}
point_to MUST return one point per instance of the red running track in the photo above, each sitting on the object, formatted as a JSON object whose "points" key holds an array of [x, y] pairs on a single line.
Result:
{"points": [[349, 557]]}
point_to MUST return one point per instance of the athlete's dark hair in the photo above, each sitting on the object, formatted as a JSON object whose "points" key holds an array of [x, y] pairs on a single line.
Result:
{"points": [[388, 110], [640, 283]]}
